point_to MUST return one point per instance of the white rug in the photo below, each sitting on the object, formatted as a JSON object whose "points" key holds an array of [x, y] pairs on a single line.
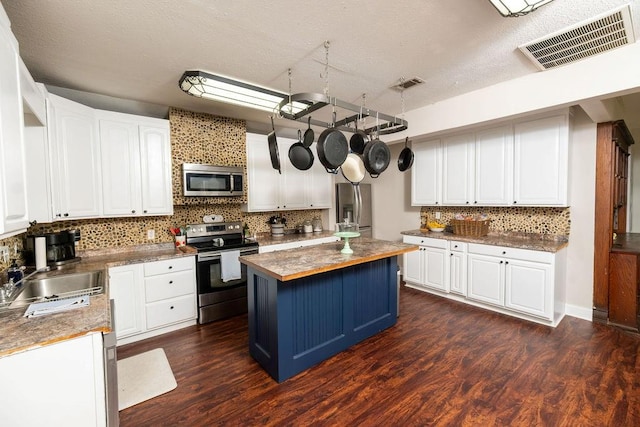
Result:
{"points": [[143, 377]]}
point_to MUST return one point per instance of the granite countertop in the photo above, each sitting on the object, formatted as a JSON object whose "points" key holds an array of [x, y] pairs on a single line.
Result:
{"points": [[302, 262], [531, 241], [266, 239], [18, 333]]}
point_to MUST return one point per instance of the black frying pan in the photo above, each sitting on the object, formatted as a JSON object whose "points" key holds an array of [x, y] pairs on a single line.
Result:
{"points": [[376, 157], [300, 156], [309, 136], [405, 159], [332, 149], [273, 148], [358, 141]]}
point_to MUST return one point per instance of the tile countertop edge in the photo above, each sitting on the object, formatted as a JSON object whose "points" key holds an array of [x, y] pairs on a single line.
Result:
{"points": [[265, 262], [72, 324], [530, 241]]}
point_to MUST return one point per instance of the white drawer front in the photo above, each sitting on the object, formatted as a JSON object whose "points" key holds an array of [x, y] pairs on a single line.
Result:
{"points": [[456, 246], [170, 285], [425, 241], [165, 312], [169, 265], [513, 253]]}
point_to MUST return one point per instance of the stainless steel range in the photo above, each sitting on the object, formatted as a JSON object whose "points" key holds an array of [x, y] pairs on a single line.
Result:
{"points": [[222, 280]]}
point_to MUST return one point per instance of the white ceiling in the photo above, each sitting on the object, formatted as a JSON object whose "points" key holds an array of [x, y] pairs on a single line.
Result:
{"points": [[137, 50]]}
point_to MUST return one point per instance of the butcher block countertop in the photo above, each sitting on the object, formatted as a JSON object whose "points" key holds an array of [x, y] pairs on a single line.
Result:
{"points": [[303, 262], [18, 333], [531, 241]]}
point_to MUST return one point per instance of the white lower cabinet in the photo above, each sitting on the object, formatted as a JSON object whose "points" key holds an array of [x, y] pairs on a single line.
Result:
{"points": [[429, 266], [524, 283], [153, 298], [458, 267], [126, 288], [60, 384]]}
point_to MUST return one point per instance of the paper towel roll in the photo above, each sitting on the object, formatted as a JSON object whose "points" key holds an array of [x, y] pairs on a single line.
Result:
{"points": [[41, 253]]}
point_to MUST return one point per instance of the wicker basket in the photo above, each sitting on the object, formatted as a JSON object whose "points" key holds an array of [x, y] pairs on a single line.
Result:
{"points": [[470, 228]]}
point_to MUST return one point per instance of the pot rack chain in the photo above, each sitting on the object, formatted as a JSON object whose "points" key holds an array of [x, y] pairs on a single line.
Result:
{"points": [[316, 101]]}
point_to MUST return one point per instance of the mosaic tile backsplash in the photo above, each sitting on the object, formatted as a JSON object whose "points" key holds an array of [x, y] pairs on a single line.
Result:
{"points": [[556, 221]]}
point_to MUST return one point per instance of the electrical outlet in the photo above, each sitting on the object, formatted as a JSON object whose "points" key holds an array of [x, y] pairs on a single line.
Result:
{"points": [[437, 215], [4, 253], [151, 234]]}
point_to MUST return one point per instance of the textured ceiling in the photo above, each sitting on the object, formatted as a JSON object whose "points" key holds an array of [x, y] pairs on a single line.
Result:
{"points": [[138, 50]]}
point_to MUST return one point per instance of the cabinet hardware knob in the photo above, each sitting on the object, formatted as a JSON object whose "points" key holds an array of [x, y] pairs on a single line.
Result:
{"points": [[504, 252], [58, 215], [171, 307], [455, 246], [66, 214], [170, 267], [515, 201], [467, 202], [475, 202], [171, 282], [133, 211], [436, 203], [145, 211], [451, 254], [501, 262], [506, 262]]}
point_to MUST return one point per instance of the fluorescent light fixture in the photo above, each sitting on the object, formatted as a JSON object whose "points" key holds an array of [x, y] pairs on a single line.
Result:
{"points": [[204, 85], [517, 7]]}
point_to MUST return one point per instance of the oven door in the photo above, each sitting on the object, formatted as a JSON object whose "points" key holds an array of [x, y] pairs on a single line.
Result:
{"points": [[209, 273]]}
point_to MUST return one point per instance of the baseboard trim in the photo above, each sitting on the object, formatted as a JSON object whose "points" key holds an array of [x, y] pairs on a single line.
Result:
{"points": [[584, 313]]}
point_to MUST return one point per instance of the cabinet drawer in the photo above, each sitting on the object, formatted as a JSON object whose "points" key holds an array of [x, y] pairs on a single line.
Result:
{"points": [[513, 253], [165, 312], [169, 285], [168, 266], [425, 241], [455, 246]]}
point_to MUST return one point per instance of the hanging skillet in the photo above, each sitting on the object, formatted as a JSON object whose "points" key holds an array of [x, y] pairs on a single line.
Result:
{"points": [[405, 160], [332, 148], [358, 141], [309, 136], [273, 148], [376, 157], [300, 156]]}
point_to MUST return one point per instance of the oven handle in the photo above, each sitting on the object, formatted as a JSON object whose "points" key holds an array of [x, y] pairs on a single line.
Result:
{"points": [[204, 256]]}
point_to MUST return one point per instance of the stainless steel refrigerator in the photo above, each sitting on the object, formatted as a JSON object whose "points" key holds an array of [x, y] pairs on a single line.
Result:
{"points": [[347, 206]]}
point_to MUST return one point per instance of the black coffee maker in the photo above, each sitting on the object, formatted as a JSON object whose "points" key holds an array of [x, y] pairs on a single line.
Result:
{"points": [[61, 248]]}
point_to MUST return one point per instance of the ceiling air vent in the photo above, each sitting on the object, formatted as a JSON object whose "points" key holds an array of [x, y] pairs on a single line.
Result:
{"points": [[407, 83], [588, 38]]}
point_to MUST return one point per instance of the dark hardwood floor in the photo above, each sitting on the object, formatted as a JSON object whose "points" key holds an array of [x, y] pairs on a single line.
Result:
{"points": [[443, 363]]}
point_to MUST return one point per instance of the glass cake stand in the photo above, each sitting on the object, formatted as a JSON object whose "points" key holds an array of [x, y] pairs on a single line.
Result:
{"points": [[346, 235]]}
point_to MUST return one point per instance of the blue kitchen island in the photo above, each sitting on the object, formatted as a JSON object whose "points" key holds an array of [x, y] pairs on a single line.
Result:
{"points": [[308, 304]]}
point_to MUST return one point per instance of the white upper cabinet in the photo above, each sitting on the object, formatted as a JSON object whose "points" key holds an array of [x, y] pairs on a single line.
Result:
{"points": [[426, 176], [541, 161], [75, 159], [293, 189], [263, 181], [155, 168], [494, 166], [136, 165], [13, 187], [458, 169]]}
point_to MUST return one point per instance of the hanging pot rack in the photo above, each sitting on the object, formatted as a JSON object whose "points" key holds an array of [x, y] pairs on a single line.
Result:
{"points": [[385, 123]]}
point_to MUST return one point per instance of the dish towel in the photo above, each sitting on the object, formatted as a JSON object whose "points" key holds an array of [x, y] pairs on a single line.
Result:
{"points": [[230, 266]]}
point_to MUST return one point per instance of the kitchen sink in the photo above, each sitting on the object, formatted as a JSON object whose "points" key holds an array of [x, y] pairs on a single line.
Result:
{"points": [[58, 286]]}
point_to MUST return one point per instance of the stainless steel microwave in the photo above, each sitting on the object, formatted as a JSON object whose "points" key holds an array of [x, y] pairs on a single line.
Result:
{"points": [[212, 180]]}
